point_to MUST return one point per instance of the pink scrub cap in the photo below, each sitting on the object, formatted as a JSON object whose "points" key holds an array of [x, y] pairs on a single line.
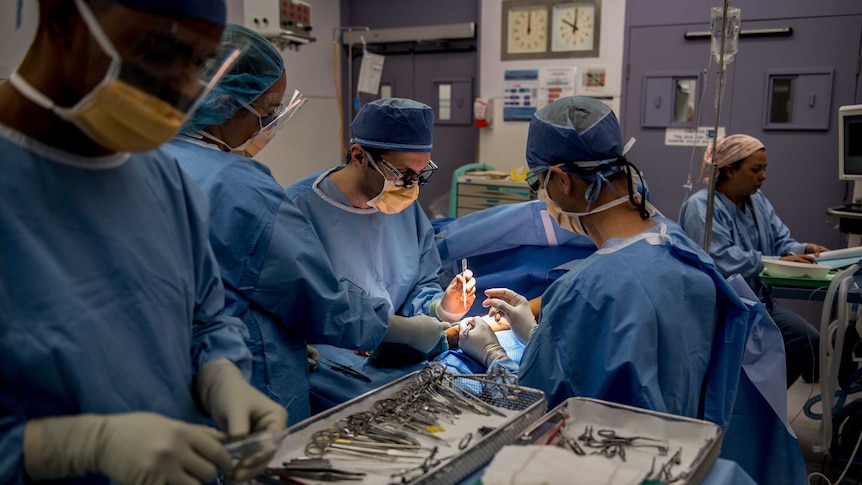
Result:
{"points": [[731, 149]]}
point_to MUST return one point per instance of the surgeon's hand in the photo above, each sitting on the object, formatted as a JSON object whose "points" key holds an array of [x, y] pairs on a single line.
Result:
{"points": [[239, 409], [799, 258], [479, 341], [420, 331], [133, 448], [456, 302], [515, 308], [313, 358]]}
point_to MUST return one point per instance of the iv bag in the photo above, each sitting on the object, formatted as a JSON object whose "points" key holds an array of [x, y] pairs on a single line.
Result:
{"points": [[731, 32]]}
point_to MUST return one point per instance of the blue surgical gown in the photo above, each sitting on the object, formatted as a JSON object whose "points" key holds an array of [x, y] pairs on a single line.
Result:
{"points": [[740, 240], [110, 295], [391, 256], [635, 322], [278, 278], [649, 321]]}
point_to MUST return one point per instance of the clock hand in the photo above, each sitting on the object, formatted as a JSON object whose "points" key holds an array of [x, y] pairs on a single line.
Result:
{"points": [[569, 24], [529, 21], [575, 24]]}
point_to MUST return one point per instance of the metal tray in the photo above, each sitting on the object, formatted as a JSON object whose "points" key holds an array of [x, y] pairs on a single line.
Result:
{"points": [[699, 440], [521, 409]]}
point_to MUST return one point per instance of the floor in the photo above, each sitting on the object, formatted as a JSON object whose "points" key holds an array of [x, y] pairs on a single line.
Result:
{"points": [[808, 430]]}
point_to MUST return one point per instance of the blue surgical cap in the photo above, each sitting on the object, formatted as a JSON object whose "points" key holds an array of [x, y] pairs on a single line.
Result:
{"points": [[395, 124], [258, 67], [214, 11], [573, 129]]}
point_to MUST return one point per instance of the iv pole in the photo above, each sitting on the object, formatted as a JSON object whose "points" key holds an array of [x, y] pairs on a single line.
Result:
{"points": [[713, 168]]}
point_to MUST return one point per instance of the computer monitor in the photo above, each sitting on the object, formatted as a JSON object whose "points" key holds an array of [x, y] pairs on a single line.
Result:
{"points": [[850, 142]]}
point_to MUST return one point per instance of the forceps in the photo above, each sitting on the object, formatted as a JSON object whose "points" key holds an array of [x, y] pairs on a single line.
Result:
{"points": [[330, 439]]}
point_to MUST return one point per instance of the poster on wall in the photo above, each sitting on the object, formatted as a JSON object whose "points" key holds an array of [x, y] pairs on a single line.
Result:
{"points": [[596, 81], [520, 94], [556, 83]]}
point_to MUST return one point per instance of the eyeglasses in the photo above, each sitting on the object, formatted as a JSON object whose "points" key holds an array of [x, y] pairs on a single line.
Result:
{"points": [[408, 178], [266, 120], [533, 181]]}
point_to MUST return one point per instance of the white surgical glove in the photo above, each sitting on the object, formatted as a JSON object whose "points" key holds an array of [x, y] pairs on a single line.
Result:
{"points": [[420, 331], [480, 342], [515, 308], [239, 409], [452, 306], [133, 448]]}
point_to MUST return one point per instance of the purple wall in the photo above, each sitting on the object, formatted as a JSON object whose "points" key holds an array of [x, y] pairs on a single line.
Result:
{"points": [[413, 75], [802, 177], [642, 13]]}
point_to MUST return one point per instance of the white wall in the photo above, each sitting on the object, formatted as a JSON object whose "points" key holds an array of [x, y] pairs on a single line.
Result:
{"points": [[504, 144], [311, 140], [14, 42], [308, 143]]}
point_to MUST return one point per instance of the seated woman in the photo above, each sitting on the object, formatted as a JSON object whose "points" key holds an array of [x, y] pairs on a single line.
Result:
{"points": [[746, 230]]}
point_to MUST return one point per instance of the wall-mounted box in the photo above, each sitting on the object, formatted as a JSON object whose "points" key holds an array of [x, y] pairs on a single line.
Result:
{"points": [[670, 99], [797, 99]]}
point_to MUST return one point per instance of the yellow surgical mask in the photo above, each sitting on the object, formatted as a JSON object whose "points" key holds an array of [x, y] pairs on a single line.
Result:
{"points": [[392, 199], [115, 114]]}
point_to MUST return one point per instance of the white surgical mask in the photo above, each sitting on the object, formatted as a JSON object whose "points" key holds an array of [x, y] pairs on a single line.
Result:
{"points": [[571, 221]]}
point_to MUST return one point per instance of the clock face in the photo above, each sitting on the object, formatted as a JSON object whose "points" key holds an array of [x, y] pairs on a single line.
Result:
{"points": [[527, 29], [574, 27]]}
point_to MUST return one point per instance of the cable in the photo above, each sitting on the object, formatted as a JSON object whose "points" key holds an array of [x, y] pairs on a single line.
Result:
{"points": [[818, 474], [850, 461], [688, 184]]}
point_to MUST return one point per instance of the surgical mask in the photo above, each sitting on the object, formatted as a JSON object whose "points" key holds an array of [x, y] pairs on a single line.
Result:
{"points": [[392, 199], [116, 114], [270, 125], [571, 221]]}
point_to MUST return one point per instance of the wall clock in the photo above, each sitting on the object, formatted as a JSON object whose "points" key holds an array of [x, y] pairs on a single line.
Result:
{"points": [[550, 29], [574, 27], [527, 29]]}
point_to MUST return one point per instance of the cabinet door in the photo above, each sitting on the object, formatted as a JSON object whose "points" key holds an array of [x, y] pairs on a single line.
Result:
{"points": [[657, 101], [798, 99]]}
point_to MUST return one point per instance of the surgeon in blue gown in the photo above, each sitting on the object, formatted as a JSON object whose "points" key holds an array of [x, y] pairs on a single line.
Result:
{"points": [[745, 231], [114, 341], [278, 281], [647, 320], [373, 229]]}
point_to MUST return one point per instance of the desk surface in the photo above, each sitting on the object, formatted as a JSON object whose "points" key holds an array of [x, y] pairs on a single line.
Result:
{"points": [[811, 294]]}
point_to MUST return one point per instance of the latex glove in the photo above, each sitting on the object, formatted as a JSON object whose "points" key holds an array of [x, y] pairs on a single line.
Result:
{"points": [[420, 331], [313, 358], [515, 308], [239, 409], [133, 448], [479, 341], [452, 306]]}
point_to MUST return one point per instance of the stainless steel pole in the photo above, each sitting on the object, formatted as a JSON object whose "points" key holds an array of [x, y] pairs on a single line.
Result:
{"points": [[710, 201]]}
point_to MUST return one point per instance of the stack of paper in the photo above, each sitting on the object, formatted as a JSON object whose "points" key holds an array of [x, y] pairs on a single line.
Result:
{"points": [[840, 257]]}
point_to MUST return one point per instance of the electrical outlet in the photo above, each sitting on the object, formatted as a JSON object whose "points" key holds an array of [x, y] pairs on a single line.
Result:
{"points": [[262, 16]]}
